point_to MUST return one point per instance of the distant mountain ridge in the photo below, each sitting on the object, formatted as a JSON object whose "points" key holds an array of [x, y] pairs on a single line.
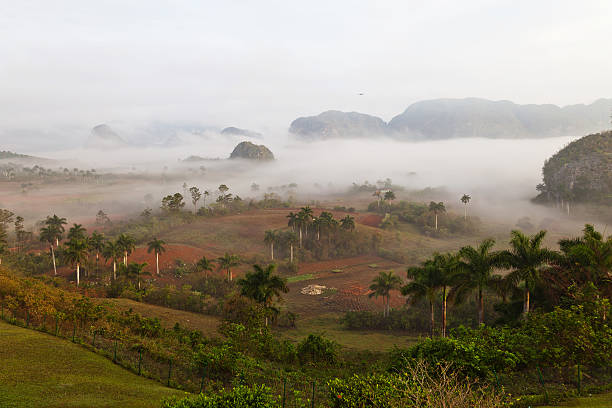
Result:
{"points": [[103, 136], [460, 118]]}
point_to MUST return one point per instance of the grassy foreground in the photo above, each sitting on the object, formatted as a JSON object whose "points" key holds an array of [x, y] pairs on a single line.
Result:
{"points": [[39, 370], [596, 401]]}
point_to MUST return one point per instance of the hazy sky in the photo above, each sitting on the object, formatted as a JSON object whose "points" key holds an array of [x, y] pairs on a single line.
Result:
{"points": [[260, 64]]}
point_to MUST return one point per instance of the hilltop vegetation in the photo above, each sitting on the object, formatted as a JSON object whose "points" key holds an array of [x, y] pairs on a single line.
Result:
{"points": [[580, 172]]}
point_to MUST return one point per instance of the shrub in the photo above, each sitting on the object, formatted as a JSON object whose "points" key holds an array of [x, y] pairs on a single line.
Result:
{"points": [[237, 397], [317, 349]]}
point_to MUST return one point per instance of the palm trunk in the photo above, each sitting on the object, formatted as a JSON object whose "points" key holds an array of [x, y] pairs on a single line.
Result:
{"points": [[444, 312], [526, 306], [480, 307], [56, 242], [78, 274], [300, 237], [114, 269], [465, 213], [97, 261], [157, 262], [125, 258], [229, 275], [431, 305], [388, 304], [272, 250], [53, 257], [436, 216], [291, 252]]}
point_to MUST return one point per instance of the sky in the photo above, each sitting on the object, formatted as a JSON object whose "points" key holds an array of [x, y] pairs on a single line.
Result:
{"points": [[260, 64]]}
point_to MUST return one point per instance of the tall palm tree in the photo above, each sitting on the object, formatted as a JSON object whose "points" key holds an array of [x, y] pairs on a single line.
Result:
{"points": [[271, 237], [127, 245], [3, 241], [465, 199], [437, 208], [448, 266], [227, 262], [290, 238], [96, 244], [262, 286], [425, 284], [378, 195], [305, 216], [347, 223], [48, 234], [58, 224], [77, 231], [204, 264], [382, 285], [528, 259], [75, 253], [113, 251], [475, 271], [157, 246]]}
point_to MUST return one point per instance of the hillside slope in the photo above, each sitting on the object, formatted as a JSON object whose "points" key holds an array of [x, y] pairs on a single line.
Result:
{"points": [[39, 370], [581, 171]]}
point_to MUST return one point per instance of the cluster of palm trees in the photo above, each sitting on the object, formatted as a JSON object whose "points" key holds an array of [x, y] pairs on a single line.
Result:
{"points": [[263, 287], [456, 276], [307, 224]]}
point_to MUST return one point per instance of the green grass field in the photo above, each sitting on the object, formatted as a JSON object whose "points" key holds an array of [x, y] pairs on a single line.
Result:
{"points": [[596, 401], [39, 370]]}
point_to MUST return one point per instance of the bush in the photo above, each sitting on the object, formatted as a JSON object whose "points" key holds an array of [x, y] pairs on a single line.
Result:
{"points": [[317, 349], [238, 397]]}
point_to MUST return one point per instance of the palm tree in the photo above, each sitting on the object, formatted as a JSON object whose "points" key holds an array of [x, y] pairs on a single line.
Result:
{"points": [[465, 199], [262, 286], [293, 220], [157, 246], [347, 223], [389, 196], [77, 231], [426, 282], [75, 253], [48, 234], [270, 238], [291, 239], [205, 194], [382, 285], [475, 271], [96, 243], [437, 208], [448, 266], [134, 269], [127, 245], [58, 224], [113, 251], [3, 241], [305, 215], [378, 195], [204, 264], [227, 262], [527, 258]]}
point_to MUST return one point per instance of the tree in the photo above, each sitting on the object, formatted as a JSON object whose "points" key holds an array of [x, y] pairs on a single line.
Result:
{"points": [[465, 199], [204, 264], [195, 197], [75, 253], [157, 246], [227, 262], [205, 194], [426, 282], [382, 285], [113, 251], [527, 258], [48, 234], [290, 238], [270, 238], [127, 245], [58, 226], [447, 265], [134, 270], [389, 196], [102, 218], [3, 241], [378, 195], [19, 231], [262, 286], [437, 208], [77, 231], [172, 203], [96, 244], [475, 272], [347, 223], [293, 221]]}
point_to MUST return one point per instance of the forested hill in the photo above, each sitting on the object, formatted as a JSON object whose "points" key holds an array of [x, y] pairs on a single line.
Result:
{"points": [[581, 172], [5, 154]]}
